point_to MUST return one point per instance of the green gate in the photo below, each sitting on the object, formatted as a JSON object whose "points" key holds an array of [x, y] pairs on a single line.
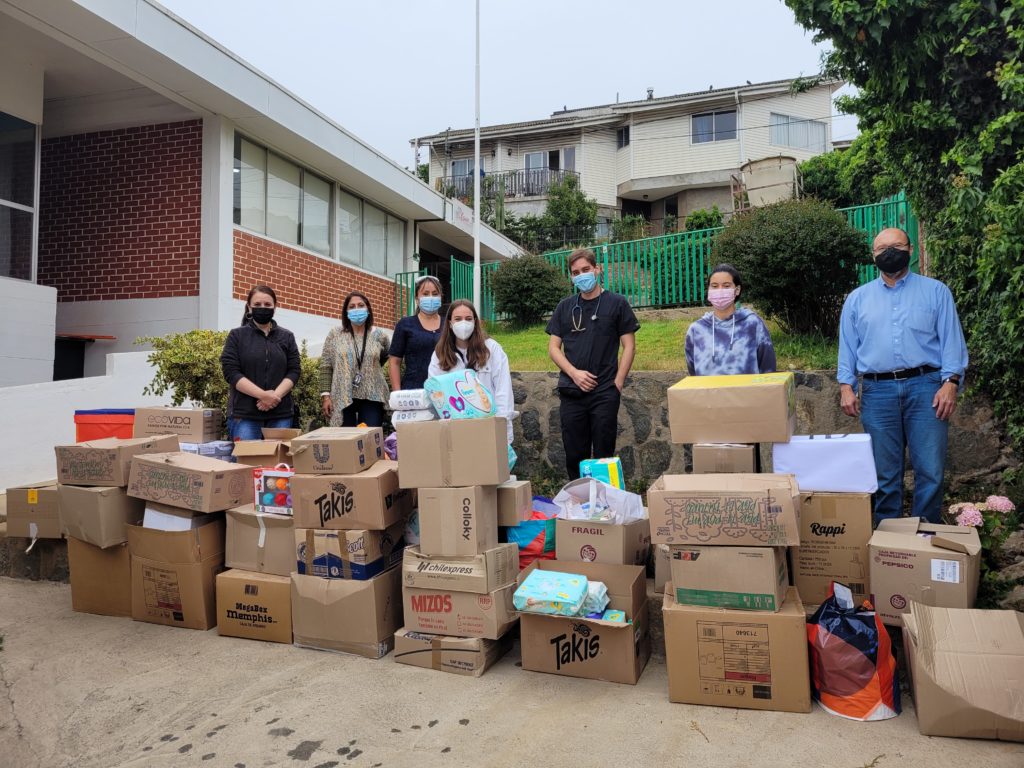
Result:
{"points": [[462, 286], [894, 211], [405, 293]]}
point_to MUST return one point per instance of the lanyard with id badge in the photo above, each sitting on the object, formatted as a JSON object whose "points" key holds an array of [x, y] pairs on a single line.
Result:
{"points": [[358, 378]]}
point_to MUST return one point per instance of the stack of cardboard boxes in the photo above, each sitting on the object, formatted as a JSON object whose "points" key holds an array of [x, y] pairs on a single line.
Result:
{"points": [[457, 584], [349, 517], [734, 629], [95, 511]]}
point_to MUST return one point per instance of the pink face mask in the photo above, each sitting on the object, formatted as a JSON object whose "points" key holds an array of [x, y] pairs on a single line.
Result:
{"points": [[721, 298]]}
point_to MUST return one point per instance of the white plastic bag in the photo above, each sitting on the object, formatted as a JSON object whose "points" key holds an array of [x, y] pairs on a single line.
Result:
{"points": [[589, 499], [828, 463]]}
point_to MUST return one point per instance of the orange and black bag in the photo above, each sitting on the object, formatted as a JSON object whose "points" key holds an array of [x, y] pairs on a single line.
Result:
{"points": [[853, 671]]}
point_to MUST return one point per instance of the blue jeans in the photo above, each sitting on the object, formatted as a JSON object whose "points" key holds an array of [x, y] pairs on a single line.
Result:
{"points": [[251, 429], [899, 415]]}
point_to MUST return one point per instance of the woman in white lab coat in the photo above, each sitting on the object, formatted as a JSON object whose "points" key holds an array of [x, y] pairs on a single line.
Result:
{"points": [[465, 344]]}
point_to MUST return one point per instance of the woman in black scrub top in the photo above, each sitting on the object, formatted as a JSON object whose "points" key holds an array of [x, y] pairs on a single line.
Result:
{"points": [[416, 337]]}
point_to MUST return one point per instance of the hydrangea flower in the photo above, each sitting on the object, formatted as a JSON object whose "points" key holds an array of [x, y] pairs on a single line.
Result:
{"points": [[969, 516], [999, 504]]}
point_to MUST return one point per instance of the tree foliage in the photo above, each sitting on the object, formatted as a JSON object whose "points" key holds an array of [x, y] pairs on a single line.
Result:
{"points": [[188, 366], [849, 177], [941, 92], [798, 259], [527, 288]]}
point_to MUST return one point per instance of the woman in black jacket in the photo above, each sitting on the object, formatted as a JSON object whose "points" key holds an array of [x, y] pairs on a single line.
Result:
{"points": [[261, 365]]}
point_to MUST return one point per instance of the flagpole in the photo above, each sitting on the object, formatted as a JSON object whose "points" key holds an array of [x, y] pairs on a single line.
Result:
{"points": [[476, 176]]}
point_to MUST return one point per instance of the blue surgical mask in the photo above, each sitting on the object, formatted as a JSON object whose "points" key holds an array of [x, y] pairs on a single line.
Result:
{"points": [[358, 315], [585, 282], [430, 304]]}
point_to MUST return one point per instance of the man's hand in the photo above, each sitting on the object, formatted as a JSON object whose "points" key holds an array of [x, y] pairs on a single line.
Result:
{"points": [[944, 401], [848, 400], [583, 379], [620, 383]]}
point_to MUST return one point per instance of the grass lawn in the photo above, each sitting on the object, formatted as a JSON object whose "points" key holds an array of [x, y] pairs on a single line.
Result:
{"points": [[659, 345]]}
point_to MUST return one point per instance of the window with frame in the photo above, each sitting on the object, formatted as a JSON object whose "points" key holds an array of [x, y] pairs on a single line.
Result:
{"points": [[369, 237], [796, 132], [462, 167], [713, 126], [622, 137], [18, 149], [275, 197]]}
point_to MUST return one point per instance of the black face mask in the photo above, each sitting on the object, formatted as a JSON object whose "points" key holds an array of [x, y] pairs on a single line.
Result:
{"points": [[262, 315], [892, 260]]}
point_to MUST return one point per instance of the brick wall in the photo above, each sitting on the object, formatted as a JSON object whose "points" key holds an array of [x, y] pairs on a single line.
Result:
{"points": [[307, 283], [119, 213]]}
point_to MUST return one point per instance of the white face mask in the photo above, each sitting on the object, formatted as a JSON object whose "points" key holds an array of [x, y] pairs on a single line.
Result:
{"points": [[463, 329]]}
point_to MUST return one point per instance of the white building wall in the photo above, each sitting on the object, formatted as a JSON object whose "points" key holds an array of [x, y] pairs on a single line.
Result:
{"points": [[815, 104], [42, 415], [599, 166], [27, 342], [664, 146], [624, 163]]}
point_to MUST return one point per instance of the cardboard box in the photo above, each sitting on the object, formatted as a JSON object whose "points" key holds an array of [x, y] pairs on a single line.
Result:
{"points": [[597, 542], [481, 573], [164, 517], [967, 671], [936, 565], [515, 502], [259, 542], [262, 453], [462, 614], [834, 532], [758, 510], [368, 501], [716, 458], [98, 515], [448, 454], [743, 578], [190, 425], [196, 483], [280, 433], [759, 408], [173, 575], [347, 554], [358, 617], [257, 606], [592, 648], [106, 461], [458, 521], [723, 658], [33, 511], [101, 579], [470, 656], [337, 450], [662, 567]]}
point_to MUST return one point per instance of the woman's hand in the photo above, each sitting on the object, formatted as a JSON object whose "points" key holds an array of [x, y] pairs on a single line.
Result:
{"points": [[327, 405], [268, 400]]}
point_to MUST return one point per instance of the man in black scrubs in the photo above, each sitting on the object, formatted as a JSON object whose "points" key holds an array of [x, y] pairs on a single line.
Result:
{"points": [[586, 331]]}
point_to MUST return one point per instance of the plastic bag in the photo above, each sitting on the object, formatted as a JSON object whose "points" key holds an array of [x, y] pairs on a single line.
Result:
{"points": [[853, 671], [391, 446], [590, 499], [535, 537]]}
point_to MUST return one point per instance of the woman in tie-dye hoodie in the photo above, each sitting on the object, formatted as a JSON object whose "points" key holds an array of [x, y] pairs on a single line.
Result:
{"points": [[728, 340]]}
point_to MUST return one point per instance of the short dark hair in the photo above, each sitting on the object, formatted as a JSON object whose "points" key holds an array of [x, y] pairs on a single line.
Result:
{"points": [[582, 253], [728, 269], [345, 322], [246, 316]]}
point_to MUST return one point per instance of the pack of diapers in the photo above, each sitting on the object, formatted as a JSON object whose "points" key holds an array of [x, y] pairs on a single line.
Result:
{"points": [[551, 592], [597, 598], [408, 400], [459, 395], [420, 414]]}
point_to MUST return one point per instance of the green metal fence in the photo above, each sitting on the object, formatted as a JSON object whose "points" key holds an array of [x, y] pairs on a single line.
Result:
{"points": [[671, 270], [405, 292]]}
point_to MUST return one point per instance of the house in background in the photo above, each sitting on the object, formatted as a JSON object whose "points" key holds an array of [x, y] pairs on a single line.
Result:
{"points": [[656, 157], [149, 177]]}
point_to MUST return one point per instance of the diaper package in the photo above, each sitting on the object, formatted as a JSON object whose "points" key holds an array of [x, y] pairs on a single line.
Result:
{"points": [[597, 598], [409, 400], [551, 592], [606, 470], [420, 414], [613, 615], [459, 395], [512, 457]]}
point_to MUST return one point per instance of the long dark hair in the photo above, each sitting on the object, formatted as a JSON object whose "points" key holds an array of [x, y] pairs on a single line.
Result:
{"points": [[730, 270], [345, 322], [477, 353], [246, 314]]}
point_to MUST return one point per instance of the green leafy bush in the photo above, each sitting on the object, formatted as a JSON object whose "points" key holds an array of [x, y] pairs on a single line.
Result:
{"points": [[528, 288], [630, 227], [703, 218], [188, 366], [798, 259]]}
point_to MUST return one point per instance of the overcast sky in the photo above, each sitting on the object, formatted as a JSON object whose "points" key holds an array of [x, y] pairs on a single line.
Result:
{"points": [[389, 70]]}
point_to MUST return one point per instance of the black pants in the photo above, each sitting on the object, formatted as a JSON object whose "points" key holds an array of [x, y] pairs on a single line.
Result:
{"points": [[368, 412], [590, 424]]}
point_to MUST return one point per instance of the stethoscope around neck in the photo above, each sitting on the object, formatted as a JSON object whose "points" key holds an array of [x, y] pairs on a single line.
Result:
{"points": [[577, 323]]}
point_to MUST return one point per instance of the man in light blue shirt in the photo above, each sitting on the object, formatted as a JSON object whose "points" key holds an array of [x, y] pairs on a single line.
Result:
{"points": [[901, 333]]}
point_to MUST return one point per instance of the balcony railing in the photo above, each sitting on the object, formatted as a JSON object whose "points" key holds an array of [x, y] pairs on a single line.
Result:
{"points": [[516, 184]]}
